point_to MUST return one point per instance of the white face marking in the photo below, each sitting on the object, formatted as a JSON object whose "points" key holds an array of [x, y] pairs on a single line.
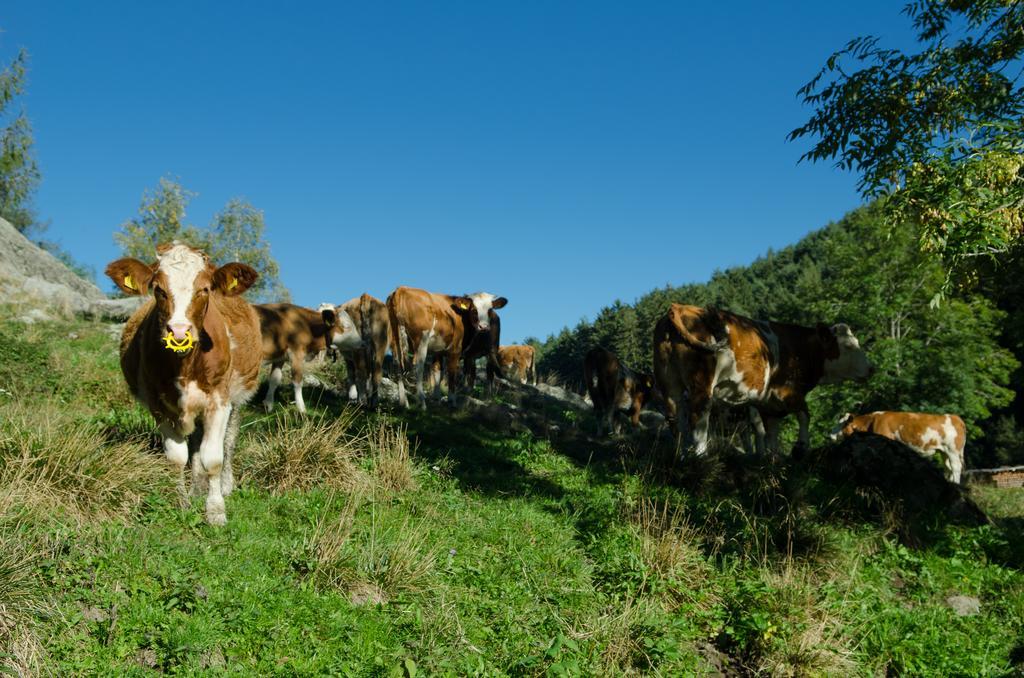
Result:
{"points": [[852, 362], [344, 335], [482, 301], [181, 265]]}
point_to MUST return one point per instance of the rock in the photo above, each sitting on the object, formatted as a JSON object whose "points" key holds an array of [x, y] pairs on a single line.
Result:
{"points": [[29, 273], [34, 316], [964, 606], [94, 614]]}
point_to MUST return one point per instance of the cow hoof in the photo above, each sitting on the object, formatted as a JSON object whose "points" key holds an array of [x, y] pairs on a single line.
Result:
{"points": [[268, 407], [215, 513]]}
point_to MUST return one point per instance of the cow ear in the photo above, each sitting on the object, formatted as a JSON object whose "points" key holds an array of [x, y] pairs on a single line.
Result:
{"points": [[234, 278], [462, 304], [499, 302], [130, 275]]}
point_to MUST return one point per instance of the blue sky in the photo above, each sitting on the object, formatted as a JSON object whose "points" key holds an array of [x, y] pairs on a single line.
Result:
{"points": [[563, 155]]}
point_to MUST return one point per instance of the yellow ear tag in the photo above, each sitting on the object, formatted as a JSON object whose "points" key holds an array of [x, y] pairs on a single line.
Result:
{"points": [[233, 284], [180, 345], [129, 283]]}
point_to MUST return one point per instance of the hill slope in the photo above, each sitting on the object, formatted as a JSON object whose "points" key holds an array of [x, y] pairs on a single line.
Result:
{"points": [[363, 544]]}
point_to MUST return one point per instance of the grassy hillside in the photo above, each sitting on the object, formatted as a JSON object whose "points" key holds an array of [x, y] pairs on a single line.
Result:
{"points": [[423, 544]]}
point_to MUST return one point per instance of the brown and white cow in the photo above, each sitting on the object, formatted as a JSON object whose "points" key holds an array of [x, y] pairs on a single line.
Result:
{"points": [[358, 329], [926, 434], [425, 323], [520, 361], [615, 389], [483, 345], [294, 334], [192, 354], [705, 354]]}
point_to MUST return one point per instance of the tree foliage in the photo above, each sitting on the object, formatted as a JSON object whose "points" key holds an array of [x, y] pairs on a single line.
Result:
{"points": [[861, 271], [237, 233], [19, 174], [940, 132]]}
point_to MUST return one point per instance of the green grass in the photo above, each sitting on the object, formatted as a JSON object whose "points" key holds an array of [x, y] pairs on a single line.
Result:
{"points": [[426, 544]]}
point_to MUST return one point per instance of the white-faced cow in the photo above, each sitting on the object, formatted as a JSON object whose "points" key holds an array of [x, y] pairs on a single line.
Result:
{"points": [[192, 354], [926, 434], [483, 345], [705, 354], [519, 361], [358, 329], [425, 323], [294, 334], [615, 390]]}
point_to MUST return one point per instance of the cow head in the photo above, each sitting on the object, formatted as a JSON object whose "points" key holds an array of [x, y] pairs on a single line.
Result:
{"points": [[341, 330], [475, 309], [181, 282], [837, 432], [844, 358]]}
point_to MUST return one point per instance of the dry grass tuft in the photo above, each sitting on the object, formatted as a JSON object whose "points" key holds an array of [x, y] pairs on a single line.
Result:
{"points": [[815, 644], [373, 563], [20, 599], [391, 456], [51, 462], [671, 549], [298, 453]]}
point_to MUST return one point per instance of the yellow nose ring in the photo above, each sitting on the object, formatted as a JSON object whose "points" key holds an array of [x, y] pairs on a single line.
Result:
{"points": [[180, 345]]}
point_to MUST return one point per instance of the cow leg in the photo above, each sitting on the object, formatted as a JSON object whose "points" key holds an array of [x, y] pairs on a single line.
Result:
{"points": [[700, 421], [803, 441], [298, 358], [350, 379], [771, 429], [954, 464], [358, 378], [452, 364], [469, 374], [176, 451], [272, 383], [211, 456], [376, 377], [417, 367], [757, 424], [227, 473], [435, 376]]}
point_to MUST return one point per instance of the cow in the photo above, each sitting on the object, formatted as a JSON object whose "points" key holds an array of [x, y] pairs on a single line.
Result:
{"points": [[520, 361], [425, 323], [358, 329], [484, 345], [706, 354], [616, 389], [926, 434], [290, 333], [191, 354]]}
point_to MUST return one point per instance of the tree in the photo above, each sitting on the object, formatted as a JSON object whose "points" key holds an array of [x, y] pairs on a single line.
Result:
{"points": [[236, 234], [19, 174], [939, 134]]}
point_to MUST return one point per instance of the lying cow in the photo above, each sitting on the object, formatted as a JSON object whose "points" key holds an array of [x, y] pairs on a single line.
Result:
{"points": [[705, 354], [519, 361], [358, 329], [192, 354], [615, 389], [290, 334], [425, 323], [926, 434]]}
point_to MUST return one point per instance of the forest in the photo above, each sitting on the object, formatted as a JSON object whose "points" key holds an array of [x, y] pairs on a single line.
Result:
{"points": [[941, 344]]}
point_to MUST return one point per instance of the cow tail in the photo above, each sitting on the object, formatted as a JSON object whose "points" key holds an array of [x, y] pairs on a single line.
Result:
{"points": [[366, 332], [397, 345], [712, 319]]}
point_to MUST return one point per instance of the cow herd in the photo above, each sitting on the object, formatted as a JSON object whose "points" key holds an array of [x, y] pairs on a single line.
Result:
{"points": [[192, 353]]}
